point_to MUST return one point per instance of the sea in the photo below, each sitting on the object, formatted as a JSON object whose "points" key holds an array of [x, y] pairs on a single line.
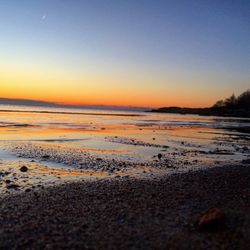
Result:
{"points": [[131, 135]]}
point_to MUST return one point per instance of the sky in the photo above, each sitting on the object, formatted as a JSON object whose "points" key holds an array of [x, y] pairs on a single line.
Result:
{"points": [[125, 52]]}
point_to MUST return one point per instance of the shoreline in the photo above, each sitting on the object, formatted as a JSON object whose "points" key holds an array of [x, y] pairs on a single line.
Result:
{"points": [[205, 112], [130, 213]]}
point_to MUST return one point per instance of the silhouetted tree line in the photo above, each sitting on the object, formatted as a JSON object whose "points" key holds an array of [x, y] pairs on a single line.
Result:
{"points": [[232, 106], [233, 102]]}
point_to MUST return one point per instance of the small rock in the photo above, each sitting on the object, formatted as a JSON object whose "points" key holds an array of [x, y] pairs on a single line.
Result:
{"points": [[159, 156], [23, 169], [46, 156], [211, 219], [12, 186], [247, 161]]}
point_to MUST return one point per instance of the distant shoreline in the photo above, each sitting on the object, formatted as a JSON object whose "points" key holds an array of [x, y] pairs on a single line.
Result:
{"points": [[66, 113], [213, 111], [43, 104]]}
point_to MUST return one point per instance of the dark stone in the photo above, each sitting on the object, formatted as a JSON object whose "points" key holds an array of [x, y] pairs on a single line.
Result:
{"points": [[24, 169], [159, 156], [211, 219], [247, 161], [12, 186]]}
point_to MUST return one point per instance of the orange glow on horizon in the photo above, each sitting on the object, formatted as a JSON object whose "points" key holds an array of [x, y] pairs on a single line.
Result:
{"points": [[122, 101], [74, 88], [107, 99]]}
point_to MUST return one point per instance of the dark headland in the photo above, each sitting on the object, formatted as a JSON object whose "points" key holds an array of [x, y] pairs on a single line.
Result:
{"points": [[230, 107]]}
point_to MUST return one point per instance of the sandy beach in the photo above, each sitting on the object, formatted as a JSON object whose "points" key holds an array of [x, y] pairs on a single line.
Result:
{"points": [[129, 213]]}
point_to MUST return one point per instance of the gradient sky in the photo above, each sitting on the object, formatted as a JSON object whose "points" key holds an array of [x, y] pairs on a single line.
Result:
{"points": [[124, 52]]}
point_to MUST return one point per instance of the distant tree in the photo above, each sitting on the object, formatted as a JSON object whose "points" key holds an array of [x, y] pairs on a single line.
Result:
{"points": [[243, 100], [231, 102], [219, 104]]}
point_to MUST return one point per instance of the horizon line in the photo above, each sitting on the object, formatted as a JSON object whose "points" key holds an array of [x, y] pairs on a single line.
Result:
{"points": [[37, 102]]}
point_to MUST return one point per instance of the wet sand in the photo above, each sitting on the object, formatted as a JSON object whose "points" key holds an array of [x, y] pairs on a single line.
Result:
{"points": [[130, 213]]}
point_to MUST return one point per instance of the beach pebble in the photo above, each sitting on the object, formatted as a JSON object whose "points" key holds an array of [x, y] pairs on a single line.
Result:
{"points": [[246, 161], [210, 219], [23, 169], [159, 156], [12, 186]]}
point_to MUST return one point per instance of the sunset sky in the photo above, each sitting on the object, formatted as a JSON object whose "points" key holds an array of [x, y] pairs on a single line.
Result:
{"points": [[124, 52]]}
